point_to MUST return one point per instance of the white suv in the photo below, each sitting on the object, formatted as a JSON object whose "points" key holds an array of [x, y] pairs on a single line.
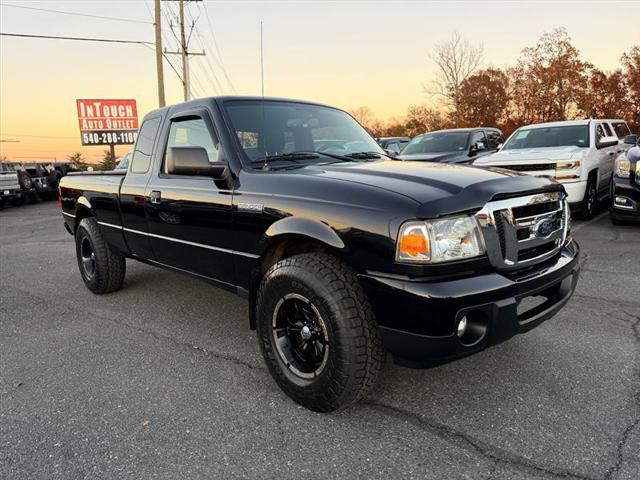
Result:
{"points": [[579, 154]]}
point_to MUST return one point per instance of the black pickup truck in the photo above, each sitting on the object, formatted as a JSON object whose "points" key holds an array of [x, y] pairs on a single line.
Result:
{"points": [[342, 253]]}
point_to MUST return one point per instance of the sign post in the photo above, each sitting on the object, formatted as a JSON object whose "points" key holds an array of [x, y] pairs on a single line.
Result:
{"points": [[107, 122]]}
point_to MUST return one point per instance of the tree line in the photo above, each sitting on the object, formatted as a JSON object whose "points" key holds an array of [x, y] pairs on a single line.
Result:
{"points": [[550, 81]]}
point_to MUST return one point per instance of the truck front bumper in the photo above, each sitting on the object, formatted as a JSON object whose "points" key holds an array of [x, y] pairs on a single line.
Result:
{"points": [[625, 200], [419, 320], [575, 193]]}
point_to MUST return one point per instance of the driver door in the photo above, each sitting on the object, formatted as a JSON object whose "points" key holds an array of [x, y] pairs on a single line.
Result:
{"points": [[189, 217]]}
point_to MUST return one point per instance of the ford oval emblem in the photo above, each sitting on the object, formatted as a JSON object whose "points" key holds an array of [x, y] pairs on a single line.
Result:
{"points": [[545, 227]]}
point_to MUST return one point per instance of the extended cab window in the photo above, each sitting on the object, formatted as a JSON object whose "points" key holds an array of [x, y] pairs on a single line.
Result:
{"points": [[493, 140], [621, 129], [607, 129], [192, 132], [141, 158]]}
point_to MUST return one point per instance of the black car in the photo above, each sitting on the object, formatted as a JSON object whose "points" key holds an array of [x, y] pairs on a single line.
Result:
{"points": [[458, 145], [343, 253], [393, 144], [625, 186]]}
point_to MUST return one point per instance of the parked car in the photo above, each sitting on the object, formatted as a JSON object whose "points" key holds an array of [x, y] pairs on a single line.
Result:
{"points": [[45, 179], [579, 154], [123, 164], [10, 190], [393, 144], [458, 145], [27, 185], [65, 167], [625, 185], [341, 255]]}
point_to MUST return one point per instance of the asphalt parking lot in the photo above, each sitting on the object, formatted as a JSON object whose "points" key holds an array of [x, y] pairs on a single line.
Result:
{"points": [[165, 380]]}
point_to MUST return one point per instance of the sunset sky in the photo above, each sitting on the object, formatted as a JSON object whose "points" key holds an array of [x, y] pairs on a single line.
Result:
{"points": [[345, 53]]}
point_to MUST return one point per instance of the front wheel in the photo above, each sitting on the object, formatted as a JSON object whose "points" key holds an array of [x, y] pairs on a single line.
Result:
{"points": [[590, 201], [317, 332], [102, 268]]}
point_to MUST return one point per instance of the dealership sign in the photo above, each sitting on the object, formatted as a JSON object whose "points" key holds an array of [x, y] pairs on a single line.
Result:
{"points": [[107, 122]]}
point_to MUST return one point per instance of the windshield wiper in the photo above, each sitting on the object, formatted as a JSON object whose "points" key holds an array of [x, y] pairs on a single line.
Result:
{"points": [[293, 157], [369, 155]]}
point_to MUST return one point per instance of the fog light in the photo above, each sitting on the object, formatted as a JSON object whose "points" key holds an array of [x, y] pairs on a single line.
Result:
{"points": [[623, 202], [462, 326]]}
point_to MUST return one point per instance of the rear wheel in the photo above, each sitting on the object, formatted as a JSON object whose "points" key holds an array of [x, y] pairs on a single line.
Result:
{"points": [[317, 332], [101, 268]]}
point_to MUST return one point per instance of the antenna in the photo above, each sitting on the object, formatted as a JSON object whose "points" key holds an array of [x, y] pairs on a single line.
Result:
{"points": [[264, 120], [261, 59]]}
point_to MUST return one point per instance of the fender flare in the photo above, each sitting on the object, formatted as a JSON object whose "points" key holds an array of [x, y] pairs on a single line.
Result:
{"points": [[301, 226]]}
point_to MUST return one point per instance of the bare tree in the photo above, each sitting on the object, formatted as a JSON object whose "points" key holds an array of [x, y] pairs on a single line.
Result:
{"points": [[456, 60]]}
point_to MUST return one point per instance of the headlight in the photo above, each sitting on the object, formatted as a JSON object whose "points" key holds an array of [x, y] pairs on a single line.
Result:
{"points": [[568, 169], [622, 168], [437, 241]]}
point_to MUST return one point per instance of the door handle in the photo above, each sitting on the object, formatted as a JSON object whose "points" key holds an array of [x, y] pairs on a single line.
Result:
{"points": [[610, 153], [155, 197]]}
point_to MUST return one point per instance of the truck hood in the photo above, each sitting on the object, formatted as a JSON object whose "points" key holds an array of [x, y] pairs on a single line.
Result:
{"points": [[549, 154], [439, 188], [431, 157]]}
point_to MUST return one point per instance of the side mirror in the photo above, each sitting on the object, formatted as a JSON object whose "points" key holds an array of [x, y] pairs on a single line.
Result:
{"points": [[631, 139], [607, 142], [193, 161]]}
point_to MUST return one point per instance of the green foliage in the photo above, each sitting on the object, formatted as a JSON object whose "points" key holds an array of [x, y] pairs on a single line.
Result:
{"points": [[108, 162]]}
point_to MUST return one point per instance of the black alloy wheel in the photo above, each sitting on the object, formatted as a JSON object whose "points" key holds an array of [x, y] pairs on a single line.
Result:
{"points": [[87, 257], [300, 336]]}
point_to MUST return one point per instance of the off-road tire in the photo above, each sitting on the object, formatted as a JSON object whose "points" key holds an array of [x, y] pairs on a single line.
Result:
{"points": [[355, 354], [110, 266], [25, 181], [590, 201]]}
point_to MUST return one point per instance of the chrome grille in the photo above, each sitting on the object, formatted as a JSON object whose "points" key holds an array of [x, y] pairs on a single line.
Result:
{"points": [[522, 231]]}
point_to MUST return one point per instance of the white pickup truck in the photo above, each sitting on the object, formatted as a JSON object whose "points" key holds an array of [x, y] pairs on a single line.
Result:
{"points": [[9, 184], [580, 154]]}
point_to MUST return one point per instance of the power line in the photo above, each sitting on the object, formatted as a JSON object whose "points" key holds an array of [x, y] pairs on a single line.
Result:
{"points": [[34, 136], [217, 48], [118, 19], [83, 39]]}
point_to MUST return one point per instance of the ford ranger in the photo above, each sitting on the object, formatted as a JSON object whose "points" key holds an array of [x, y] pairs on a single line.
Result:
{"points": [[342, 253]]}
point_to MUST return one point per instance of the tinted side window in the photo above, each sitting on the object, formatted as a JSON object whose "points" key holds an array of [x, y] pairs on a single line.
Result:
{"points": [[141, 159], [193, 132], [478, 137], [493, 140], [621, 129]]}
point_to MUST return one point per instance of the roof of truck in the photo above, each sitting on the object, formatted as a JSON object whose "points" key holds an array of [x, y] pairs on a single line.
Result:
{"points": [[569, 123]]}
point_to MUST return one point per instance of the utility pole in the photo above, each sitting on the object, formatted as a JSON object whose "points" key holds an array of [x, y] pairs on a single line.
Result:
{"points": [[184, 51], [185, 58], [158, 27]]}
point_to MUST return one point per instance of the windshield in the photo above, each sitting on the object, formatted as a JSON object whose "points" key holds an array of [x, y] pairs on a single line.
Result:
{"points": [[271, 128], [574, 135], [437, 142]]}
